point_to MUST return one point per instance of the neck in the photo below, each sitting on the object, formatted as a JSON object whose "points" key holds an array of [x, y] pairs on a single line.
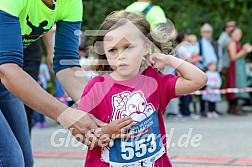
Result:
{"points": [[48, 3]]}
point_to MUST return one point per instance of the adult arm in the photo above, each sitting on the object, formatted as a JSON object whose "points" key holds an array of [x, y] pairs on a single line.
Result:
{"points": [[48, 41], [66, 59], [26, 89]]}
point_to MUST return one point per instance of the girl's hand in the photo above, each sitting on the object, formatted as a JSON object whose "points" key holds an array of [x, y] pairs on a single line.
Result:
{"points": [[117, 128], [157, 60]]}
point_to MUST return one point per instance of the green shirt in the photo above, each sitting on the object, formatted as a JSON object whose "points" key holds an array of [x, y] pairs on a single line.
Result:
{"points": [[33, 23], [155, 15]]}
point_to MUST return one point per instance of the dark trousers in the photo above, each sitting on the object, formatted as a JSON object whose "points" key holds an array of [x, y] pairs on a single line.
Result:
{"points": [[32, 60], [185, 102], [211, 106]]}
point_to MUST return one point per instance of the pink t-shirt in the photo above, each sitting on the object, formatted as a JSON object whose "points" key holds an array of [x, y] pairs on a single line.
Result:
{"points": [[105, 98]]}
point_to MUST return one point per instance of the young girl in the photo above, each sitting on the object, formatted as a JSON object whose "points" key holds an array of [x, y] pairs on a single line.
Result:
{"points": [[126, 92], [214, 82]]}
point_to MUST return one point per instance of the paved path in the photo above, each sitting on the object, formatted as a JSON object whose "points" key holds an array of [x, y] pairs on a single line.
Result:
{"points": [[225, 141]]}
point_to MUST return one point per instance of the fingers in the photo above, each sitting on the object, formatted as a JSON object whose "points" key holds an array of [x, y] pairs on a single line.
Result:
{"points": [[125, 123], [152, 58], [98, 122]]}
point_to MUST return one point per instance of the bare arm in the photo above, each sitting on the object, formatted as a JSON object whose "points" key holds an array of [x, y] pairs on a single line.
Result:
{"points": [[48, 41], [71, 82], [25, 88], [192, 78], [232, 51]]}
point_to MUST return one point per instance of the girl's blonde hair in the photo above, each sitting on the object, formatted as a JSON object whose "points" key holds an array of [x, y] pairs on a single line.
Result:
{"points": [[117, 19]]}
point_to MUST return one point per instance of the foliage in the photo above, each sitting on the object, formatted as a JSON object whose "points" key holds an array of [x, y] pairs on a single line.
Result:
{"points": [[187, 15]]}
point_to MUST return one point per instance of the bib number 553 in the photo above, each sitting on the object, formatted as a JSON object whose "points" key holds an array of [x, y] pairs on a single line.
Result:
{"points": [[139, 148]]}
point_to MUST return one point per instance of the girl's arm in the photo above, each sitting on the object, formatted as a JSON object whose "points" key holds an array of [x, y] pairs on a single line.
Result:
{"points": [[192, 78]]}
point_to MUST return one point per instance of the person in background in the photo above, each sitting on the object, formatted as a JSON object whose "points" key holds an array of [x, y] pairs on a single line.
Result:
{"points": [[154, 14], [214, 82], [184, 52], [210, 52], [223, 41], [43, 78], [196, 58], [237, 77]]}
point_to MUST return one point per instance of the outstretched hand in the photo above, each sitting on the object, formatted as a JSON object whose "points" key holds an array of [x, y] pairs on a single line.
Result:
{"points": [[84, 127]]}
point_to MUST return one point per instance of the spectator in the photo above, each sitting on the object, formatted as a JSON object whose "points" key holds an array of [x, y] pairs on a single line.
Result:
{"points": [[214, 82], [43, 78], [185, 53], [237, 77], [223, 42], [209, 50]]}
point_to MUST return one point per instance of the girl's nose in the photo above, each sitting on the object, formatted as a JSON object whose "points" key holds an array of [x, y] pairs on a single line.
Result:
{"points": [[122, 54]]}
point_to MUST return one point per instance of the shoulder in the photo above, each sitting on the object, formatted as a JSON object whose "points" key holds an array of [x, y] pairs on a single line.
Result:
{"points": [[232, 44], [13, 7], [92, 82], [157, 75], [70, 10]]}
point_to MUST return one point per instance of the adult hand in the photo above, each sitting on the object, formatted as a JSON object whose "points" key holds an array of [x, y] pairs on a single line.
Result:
{"points": [[84, 127]]}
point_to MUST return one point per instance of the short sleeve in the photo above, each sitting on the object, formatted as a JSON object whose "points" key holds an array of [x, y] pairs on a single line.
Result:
{"points": [[156, 16], [85, 103], [72, 11], [66, 46], [91, 95], [13, 7], [11, 48], [166, 88]]}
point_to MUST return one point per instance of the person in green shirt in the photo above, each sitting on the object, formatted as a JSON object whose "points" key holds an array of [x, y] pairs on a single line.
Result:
{"points": [[154, 14], [162, 30]]}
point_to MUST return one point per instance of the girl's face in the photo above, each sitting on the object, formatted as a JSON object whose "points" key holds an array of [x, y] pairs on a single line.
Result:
{"points": [[125, 48], [212, 67], [237, 34]]}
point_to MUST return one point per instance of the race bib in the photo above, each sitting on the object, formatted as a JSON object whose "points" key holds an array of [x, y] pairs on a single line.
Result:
{"points": [[143, 148]]}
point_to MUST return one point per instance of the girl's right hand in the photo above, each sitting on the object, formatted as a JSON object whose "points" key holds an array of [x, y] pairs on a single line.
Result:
{"points": [[117, 128], [157, 60]]}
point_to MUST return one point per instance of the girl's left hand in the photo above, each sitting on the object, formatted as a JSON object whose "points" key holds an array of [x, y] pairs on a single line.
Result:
{"points": [[157, 60]]}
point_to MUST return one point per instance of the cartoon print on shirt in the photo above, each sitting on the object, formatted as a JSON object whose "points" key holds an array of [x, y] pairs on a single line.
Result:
{"points": [[36, 32], [131, 104]]}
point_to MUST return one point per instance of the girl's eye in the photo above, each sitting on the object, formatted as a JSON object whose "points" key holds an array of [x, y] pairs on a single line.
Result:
{"points": [[130, 47], [112, 51]]}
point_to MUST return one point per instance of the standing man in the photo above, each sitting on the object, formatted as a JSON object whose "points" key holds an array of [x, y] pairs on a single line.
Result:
{"points": [[210, 52], [223, 41]]}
